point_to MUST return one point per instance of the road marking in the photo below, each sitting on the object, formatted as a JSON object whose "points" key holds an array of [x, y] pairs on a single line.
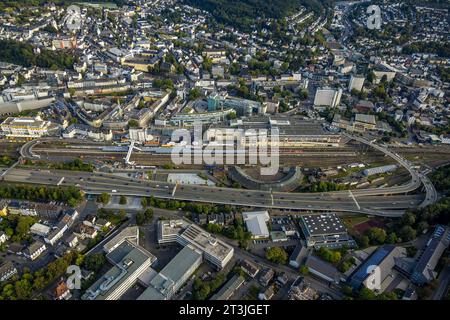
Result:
{"points": [[60, 181], [354, 199], [10, 168], [174, 189]]}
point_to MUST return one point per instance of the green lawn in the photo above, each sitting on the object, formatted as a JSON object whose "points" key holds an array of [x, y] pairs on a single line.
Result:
{"points": [[351, 221]]}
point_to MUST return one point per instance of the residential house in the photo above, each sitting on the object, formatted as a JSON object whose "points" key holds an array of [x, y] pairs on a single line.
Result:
{"points": [[40, 229], [56, 233], [267, 294], [302, 290], [282, 279], [249, 268], [265, 276], [102, 223], [22, 208], [3, 207], [3, 237], [62, 291], [72, 241], [83, 231], [7, 270], [34, 250], [90, 220], [48, 210]]}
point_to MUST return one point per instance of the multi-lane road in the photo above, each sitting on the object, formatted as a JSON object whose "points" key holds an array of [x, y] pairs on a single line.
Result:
{"points": [[95, 183], [389, 201], [417, 178]]}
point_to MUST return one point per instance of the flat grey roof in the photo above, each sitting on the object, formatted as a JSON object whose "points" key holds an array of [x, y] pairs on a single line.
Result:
{"points": [[127, 233], [229, 288], [171, 274], [206, 242], [322, 224], [128, 259], [322, 267]]}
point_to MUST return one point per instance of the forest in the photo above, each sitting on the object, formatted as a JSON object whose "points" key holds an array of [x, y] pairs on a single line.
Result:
{"points": [[23, 54], [243, 13], [36, 3]]}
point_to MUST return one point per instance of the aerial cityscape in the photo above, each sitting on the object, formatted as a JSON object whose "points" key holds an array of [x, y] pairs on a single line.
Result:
{"points": [[224, 150]]}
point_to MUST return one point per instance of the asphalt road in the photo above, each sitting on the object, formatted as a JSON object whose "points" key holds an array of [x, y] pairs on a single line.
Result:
{"points": [[373, 201], [388, 201]]}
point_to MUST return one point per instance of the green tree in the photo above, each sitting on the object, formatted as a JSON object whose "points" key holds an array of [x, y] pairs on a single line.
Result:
{"points": [[304, 270], [122, 200], [94, 262], [392, 238], [371, 76], [366, 294], [277, 255], [148, 214], [332, 256], [194, 94], [201, 289], [122, 214], [140, 218], [408, 219], [376, 235], [104, 198], [133, 123], [213, 228], [407, 233], [23, 289]]}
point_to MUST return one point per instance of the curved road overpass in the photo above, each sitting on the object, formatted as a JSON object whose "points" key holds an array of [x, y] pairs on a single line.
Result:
{"points": [[417, 178], [97, 183], [390, 201]]}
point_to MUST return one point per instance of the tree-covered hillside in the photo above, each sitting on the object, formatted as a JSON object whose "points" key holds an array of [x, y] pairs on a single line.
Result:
{"points": [[35, 3], [242, 13], [23, 54]]}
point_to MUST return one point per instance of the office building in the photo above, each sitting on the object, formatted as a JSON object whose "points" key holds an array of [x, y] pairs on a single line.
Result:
{"points": [[242, 107], [26, 127], [7, 270], [424, 271], [167, 282], [169, 230], [189, 119], [139, 135], [214, 250], [130, 234], [130, 262]]}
